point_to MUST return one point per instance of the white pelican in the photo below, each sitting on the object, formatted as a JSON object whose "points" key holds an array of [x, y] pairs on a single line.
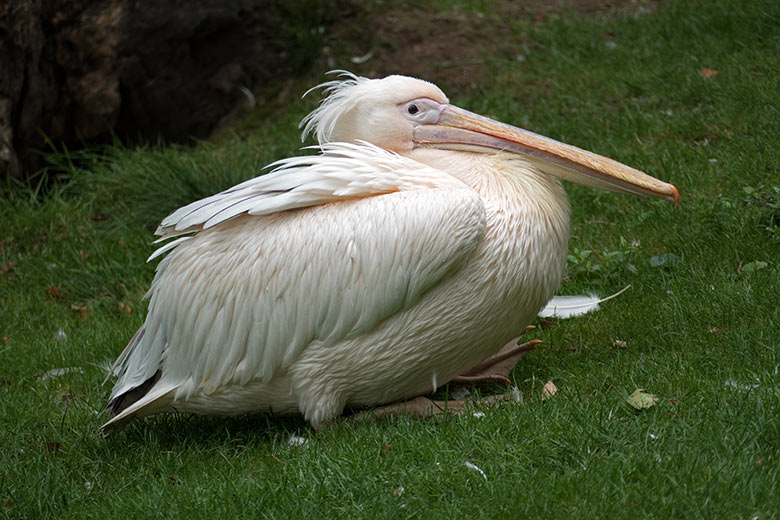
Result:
{"points": [[419, 240]]}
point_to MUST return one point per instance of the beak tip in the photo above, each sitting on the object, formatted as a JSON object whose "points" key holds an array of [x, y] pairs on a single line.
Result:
{"points": [[676, 196]]}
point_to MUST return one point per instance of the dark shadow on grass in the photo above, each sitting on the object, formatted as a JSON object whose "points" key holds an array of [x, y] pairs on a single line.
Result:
{"points": [[176, 431]]}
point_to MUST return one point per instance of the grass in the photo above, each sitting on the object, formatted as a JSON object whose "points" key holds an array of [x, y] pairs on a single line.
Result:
{"points": [[702, 330]]}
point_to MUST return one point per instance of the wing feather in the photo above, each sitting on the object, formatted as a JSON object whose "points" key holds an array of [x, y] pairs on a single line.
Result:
{"points": [[342, 170]]}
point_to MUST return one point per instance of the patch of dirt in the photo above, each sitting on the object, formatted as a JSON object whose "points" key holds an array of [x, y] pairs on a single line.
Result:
{"points": [[449, 47]]}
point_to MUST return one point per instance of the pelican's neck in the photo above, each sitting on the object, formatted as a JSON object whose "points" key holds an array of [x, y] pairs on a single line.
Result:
{"points": [[505, 180], [527, 217]]}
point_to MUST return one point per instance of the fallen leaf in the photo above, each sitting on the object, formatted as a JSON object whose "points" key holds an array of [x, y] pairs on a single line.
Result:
{"points": [[84, 255], [83, 311], [6, 339], [674, 400], [125, 308], [122, 242], [664, 260], [708, 73], [97, 217], [51, 447], [385, 450], [8, 266], [571, 348], [752, 267], [641, 400], [549, 390], [176, 481], [6, 504], [619, 343], [53, 292], [716, 330], [399, 491]]}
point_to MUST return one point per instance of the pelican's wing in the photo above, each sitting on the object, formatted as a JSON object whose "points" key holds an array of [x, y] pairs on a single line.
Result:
{"points": [[241, 300], [342, 171]]}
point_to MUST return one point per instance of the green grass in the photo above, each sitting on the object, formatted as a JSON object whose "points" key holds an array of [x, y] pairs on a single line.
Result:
{"points": [[701, 334]]}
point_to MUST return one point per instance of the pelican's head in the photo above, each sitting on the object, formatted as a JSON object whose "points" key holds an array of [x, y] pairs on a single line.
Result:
{"points": [[399, 113]]}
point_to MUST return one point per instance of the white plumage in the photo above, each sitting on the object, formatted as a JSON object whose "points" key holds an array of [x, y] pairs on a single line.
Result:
{"points": [[409, 250]]}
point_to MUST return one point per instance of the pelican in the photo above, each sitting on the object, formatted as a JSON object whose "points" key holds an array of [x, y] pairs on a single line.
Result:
{"points": [[416, 242]]}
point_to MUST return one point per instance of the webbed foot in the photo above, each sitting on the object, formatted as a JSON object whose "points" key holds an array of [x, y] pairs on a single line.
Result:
{"points": [[496, 368]]}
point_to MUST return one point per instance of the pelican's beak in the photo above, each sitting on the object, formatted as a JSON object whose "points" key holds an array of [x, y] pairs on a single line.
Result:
{"points": [[460, 129]]}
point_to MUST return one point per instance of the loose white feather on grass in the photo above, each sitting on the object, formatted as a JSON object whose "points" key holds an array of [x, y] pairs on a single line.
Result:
{"points": [[571, 306]]}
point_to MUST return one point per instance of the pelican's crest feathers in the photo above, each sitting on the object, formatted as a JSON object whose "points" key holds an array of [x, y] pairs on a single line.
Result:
{"points": [[339, 94]]}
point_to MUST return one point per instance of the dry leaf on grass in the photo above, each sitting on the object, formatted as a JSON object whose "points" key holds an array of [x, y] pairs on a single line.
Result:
{"points": [[51, 447], [641, 399], [83, 311], [549, 390], [752, 267], [708, 73], [717, 329]]}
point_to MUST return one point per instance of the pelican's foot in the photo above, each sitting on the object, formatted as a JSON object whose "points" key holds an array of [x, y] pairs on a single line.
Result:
{"points": [[425, 407], [496, 368]]}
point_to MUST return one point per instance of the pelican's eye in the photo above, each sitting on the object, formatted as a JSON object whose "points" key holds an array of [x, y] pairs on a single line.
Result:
{"points": [[421, 111]]}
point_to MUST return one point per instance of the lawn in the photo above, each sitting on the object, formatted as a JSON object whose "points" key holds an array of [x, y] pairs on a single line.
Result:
{"points": [[688, 92]]}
